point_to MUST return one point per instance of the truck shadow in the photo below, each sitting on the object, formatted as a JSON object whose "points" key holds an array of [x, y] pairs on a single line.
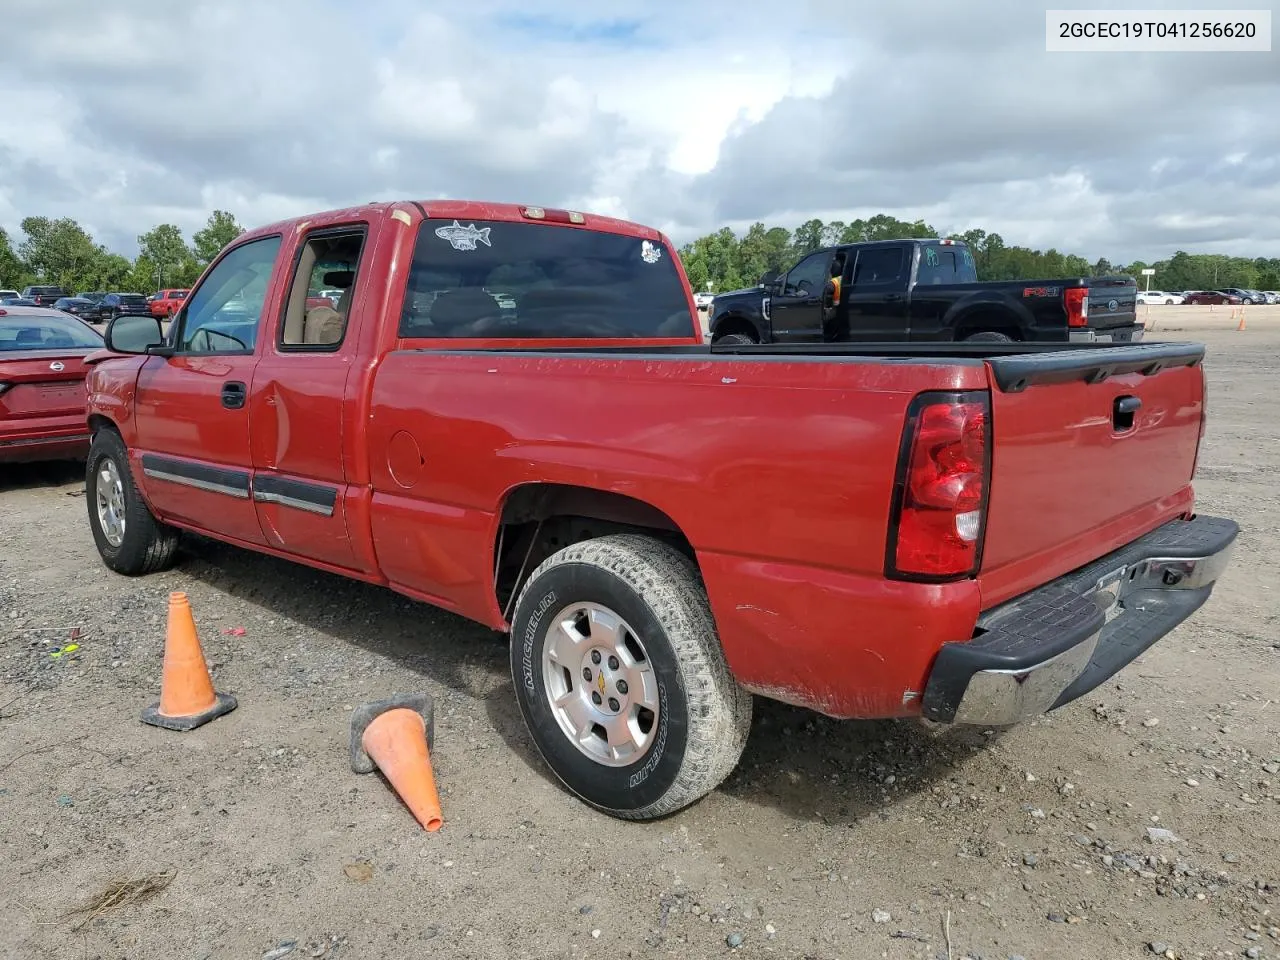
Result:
{"points": [[463, 656], [47, 473], [806, 766], [810, 767]]}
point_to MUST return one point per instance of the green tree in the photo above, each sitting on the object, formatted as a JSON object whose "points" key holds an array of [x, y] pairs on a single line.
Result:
{"points": [[220, 230], [809, 236], [59, 251], [14, 274], [166, 251]]}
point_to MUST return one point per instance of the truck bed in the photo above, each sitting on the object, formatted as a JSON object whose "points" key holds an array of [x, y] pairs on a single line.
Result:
{"points": [[777, 463]]}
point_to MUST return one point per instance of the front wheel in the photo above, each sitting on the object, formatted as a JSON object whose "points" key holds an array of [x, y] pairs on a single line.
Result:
{"points": [[735, 339], [129, 538], [621, 680], [988, 336]]}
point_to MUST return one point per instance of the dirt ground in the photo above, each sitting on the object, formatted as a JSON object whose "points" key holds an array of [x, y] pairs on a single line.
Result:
{"points": [[831, 840]]}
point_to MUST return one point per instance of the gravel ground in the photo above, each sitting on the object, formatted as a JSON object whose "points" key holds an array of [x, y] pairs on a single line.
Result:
{"points": [[831, 840]]}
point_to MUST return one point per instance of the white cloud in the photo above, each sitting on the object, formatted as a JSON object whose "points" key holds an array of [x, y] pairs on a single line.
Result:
{"points": [[687, 115]]}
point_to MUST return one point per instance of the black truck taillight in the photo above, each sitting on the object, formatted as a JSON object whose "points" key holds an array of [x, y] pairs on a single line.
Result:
{"points": [[1077, 303], [938, 517]]}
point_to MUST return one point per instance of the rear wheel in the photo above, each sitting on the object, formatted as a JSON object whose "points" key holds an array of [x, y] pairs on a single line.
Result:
{"points": [[621, 680], [735, 338], [988, 336], [129, 538]]}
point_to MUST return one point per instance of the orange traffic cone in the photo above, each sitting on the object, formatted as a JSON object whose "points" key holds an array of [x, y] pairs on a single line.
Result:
{"points": [[187, 697], [1241, 325], [395, 736]]}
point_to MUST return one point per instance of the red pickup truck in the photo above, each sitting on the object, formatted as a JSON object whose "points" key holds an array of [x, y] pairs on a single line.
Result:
{"points": [[511, 413]]}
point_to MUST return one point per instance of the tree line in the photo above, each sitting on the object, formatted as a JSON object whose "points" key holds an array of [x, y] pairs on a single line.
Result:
{"points": [[59, 251], [728, 262]]}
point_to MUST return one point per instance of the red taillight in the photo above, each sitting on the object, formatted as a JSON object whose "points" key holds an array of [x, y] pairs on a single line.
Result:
{"points": [[1077, 301], [940, 498]]}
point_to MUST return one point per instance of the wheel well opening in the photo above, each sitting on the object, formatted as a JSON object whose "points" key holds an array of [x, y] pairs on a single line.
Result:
{"points": [[734, 324], [988, 323], [540, 518], [98, 422]]}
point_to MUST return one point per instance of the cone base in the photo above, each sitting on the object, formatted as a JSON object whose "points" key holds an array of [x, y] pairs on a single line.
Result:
{"points": [[363, 715], [225, 703]]}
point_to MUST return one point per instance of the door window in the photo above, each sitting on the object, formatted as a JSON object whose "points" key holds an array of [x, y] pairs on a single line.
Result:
{"points": [[807, 277], [878, 266], [314, 318], [224, 313]]}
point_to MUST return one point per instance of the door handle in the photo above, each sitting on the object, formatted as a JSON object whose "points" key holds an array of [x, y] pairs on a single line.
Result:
{"points": [[233, 394], [892, 297]]}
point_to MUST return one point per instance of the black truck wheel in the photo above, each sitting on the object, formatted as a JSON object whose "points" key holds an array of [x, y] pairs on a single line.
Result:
{"points": [[988, 336], [129, 538], [735, 338], [621, 680]]}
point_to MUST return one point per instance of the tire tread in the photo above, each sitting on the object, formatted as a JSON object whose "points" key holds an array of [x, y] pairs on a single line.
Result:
{"points": [[149, 545], [719, 709]]}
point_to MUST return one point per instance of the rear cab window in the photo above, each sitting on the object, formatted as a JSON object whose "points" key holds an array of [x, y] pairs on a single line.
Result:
{"points": [[497, 279], [945, 263]]}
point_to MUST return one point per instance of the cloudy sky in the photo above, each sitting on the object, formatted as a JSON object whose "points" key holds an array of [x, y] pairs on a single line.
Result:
{"points": [[687, 115]]}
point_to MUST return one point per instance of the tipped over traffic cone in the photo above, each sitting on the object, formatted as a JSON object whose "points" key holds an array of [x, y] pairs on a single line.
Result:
{"points": [[187, 697], [395, 736]]}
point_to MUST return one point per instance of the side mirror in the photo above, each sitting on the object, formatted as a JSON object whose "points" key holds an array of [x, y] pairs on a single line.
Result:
{"points": [[133, 334], [770, 278]]}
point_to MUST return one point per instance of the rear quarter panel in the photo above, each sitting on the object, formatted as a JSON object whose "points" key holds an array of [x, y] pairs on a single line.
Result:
{"points": [[778, 471]]}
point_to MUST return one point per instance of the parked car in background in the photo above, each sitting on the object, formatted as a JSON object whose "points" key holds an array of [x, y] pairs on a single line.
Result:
{"points": [[6, 294], [1203, 297], [123, 304], [78, 307], [1157, 296], [1273, 296], [42, 392], [1245, 296], [704, 300], [45, 296], [17, 302], [165, 303]]}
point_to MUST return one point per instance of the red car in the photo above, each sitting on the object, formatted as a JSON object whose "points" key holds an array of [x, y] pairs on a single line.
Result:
{"points": [[512, 414], [166, 303], [1212, 297], [42, 392]]}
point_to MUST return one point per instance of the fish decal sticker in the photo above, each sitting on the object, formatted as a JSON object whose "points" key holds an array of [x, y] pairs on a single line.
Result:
{"points": [[650, 252], [464, 238]]}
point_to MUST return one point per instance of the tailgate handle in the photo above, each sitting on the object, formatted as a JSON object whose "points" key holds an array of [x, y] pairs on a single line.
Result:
{"points": [[1122, 412]]}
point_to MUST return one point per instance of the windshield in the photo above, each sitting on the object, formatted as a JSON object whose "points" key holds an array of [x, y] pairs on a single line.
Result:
{"points": [[942, 263], [489, 278], [26, 332]]}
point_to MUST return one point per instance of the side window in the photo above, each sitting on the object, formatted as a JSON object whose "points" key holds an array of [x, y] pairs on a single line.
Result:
{"points": [[224, 313], [878, 266], [324, 279], [808, 276]]}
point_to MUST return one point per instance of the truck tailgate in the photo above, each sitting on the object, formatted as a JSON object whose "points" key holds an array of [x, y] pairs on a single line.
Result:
{"points": [[1091, 449]]}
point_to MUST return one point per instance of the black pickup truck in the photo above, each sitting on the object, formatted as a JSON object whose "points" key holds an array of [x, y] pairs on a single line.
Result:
{"points": [[919, 290]]}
